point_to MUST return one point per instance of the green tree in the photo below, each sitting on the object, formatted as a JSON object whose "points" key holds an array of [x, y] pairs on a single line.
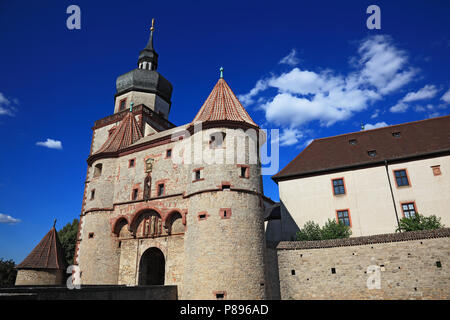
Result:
{"points": [[419, 222], [331, 230], [7, 273], [310, 231], [335, 230], [68, 237]]}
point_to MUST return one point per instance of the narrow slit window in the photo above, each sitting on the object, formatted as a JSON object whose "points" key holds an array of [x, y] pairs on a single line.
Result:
{"points": [[131, 163], [122, 104], [92, 194], [98, 170], [197, 175], [160, 189], [135, 194], [169, 153]]}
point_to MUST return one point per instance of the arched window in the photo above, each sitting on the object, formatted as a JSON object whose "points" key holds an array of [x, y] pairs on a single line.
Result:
{"points": [[98, 170], [149, 224], [175, 224]]}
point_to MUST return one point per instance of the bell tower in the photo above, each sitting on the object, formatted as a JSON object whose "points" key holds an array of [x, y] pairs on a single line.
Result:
{"points": [[144, 85]]}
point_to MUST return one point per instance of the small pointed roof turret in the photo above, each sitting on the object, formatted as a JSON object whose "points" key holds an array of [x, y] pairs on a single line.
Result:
{"points": [[48, 254], [148, 58], [223, 105]]}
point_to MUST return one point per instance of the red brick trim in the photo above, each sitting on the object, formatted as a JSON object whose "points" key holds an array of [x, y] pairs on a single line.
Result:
{"points": [[349, 216], [225, 213], [203, 213], [345, 187], [407, 177]]}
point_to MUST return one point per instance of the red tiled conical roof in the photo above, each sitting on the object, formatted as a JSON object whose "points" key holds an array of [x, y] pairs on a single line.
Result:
{"points": [[48, 254], [127, 133], [222, 104]]}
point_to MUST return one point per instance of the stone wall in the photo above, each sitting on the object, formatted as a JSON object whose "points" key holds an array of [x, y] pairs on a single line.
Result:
{"points": [[28, 277], [413, 265]]}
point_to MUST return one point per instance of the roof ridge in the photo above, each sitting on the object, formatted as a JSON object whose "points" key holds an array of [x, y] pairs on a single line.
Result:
{"points": [[382, 128]]}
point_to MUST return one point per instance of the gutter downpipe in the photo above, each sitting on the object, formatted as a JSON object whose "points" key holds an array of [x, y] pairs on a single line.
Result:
{"points": [[392, 194]]}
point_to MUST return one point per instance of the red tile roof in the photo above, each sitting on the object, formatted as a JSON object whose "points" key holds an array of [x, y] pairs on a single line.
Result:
{"points": [[48, 254], [419, 138], [127, 133], [222, 104]]}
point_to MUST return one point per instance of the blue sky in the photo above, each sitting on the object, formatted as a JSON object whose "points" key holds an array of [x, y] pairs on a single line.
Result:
{"points": [[311, 69]]}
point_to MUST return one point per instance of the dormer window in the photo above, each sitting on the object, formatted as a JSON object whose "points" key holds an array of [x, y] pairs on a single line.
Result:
{"points": [[372, 153]]}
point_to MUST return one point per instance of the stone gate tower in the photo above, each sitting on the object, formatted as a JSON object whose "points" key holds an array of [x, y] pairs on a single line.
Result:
{"points": [[148, 219]]}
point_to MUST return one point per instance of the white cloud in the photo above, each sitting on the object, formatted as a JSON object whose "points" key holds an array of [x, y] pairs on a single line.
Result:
{"points": [[50, 143], [305, 95], [376, 114], [290, 137], [6, 107], [446, 96], [374, 126], [399, 107], [427, 92], [8, 219], [291, 59], [383, 65]]}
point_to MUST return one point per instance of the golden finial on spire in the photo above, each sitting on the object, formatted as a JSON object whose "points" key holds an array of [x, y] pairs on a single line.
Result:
{"points": [[153, 24]]}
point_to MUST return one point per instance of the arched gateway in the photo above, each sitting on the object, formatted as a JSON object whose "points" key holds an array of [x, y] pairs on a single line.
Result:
{"points": [[152, 267]]}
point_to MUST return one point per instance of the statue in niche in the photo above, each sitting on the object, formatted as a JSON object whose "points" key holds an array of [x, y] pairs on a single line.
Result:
{"points": [[149, 165], [147, 187]]}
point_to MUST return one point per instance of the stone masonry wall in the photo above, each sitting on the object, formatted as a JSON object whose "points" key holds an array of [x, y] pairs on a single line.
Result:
{"points": [[39, 277], [416, 268]]}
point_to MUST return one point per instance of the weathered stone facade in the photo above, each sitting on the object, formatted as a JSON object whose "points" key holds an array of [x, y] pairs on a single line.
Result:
{"points": [[415, 268]]}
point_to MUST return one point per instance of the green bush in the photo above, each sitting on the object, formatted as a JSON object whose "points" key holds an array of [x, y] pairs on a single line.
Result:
{"points": [[419, 222], [331, 230]]}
